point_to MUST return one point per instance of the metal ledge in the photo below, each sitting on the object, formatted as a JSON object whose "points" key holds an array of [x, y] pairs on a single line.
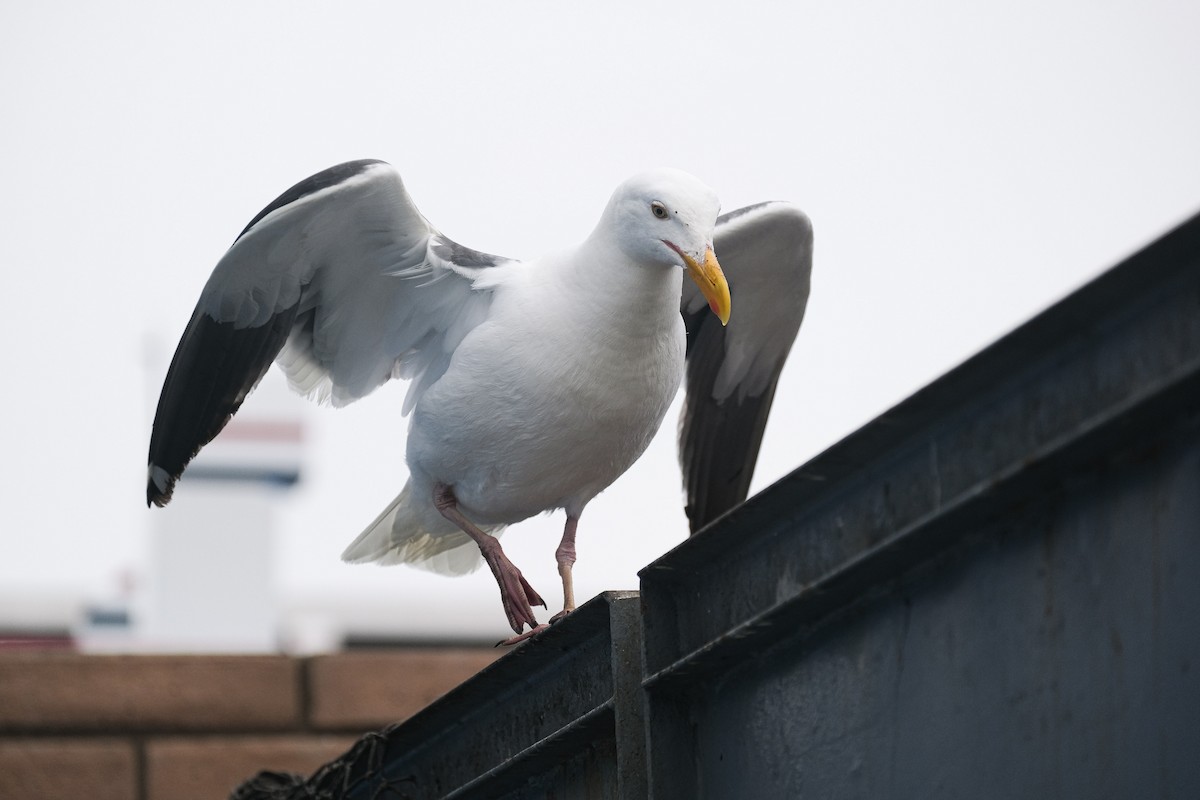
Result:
{"points": [[1016, 415], [557, 697]]}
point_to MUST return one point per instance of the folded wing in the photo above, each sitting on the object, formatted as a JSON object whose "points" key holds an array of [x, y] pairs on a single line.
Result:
{"points": [[344, 283], [766, 253]]}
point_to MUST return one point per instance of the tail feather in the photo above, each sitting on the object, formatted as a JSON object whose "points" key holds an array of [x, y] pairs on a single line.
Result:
{"points": [[397, 536]]}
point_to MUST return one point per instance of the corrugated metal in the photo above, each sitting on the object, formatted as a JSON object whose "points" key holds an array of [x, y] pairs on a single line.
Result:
{"points": [[989, 591]]}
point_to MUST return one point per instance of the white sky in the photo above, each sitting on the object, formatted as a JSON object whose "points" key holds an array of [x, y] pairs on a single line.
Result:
{"points": [[963, 169]]}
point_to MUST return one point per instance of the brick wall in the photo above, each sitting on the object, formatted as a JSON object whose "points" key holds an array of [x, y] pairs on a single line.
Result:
{"points": [[118, 727]]}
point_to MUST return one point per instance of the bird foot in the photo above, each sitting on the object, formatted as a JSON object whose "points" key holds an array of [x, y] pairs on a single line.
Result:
{"points": [[517, 596], [529, 634], [520, 637]]}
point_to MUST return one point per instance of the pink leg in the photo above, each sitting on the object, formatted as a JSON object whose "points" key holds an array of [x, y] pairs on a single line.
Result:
{"points": [[515, 592], [565, 555]]}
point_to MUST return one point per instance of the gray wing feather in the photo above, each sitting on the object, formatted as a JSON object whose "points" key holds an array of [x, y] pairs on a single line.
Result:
{"points": [[340, 280], [732, 372]]}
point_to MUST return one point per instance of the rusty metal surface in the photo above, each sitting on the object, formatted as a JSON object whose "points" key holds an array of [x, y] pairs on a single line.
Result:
{"points": [[900, 617]]}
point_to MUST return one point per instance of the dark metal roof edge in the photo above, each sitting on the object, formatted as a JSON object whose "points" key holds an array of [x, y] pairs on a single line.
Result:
{"points": [[507, 674], [1172, 253], [532, 760], [871, 571]]}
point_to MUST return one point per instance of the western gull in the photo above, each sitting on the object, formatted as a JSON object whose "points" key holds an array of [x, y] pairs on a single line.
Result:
{"points": [[533, 385]]}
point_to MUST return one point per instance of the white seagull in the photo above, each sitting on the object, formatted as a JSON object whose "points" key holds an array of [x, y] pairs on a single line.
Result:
{"points": [[533, 385]]}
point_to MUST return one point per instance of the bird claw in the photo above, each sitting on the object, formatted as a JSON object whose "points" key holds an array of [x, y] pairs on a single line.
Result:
{"points": [[520, 637], [531, 595], [535, 630], [517, 596]]}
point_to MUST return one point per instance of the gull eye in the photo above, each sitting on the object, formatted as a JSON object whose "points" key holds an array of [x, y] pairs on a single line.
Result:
{"points": [[659, 210]]}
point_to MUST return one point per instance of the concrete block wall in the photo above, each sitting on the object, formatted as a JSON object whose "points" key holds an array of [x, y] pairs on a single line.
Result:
{"points": [[187, 727]]}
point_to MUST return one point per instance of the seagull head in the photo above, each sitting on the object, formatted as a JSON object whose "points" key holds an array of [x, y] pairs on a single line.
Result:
{"points": [[665, 218]]}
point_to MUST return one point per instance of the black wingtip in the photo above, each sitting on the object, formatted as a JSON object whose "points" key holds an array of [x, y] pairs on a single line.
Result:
{"points": [[215, 366], [159, 495]]}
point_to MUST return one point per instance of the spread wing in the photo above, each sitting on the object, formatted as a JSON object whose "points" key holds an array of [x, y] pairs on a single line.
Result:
{"points": [[343, 283], [766, 253]]}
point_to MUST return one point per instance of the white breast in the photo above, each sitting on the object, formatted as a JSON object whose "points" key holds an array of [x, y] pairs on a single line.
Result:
{"points": [[557, 394]]}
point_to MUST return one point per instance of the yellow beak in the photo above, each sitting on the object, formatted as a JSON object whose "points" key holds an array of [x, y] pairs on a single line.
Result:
{"points": [[711, 280]]}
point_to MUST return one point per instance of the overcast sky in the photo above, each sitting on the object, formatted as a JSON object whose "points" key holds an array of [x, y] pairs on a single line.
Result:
{"points": [[964, 166]]}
